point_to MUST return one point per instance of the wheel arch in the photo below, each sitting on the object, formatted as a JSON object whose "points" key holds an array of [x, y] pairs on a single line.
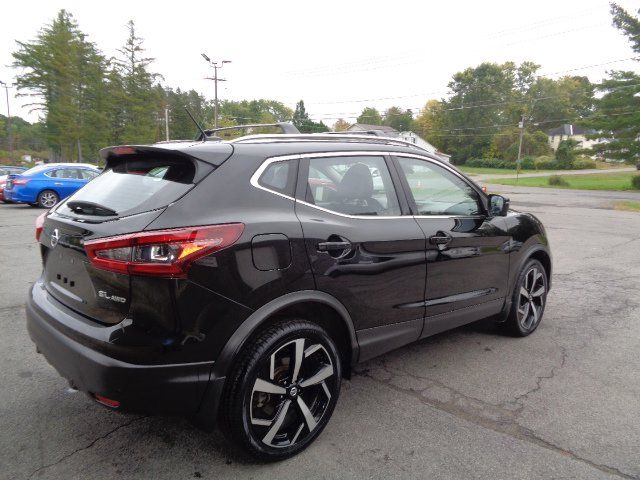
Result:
{"points": [[312, 305], [45, 189]]}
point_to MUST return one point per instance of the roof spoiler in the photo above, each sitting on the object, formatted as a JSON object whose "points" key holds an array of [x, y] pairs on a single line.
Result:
{"points": [[286, 127]]}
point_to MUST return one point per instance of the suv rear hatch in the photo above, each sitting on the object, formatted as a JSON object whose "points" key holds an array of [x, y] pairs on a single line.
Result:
{"points": [[137, 185]]}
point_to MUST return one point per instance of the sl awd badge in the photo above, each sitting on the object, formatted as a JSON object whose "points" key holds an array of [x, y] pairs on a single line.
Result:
{"points": [[113, 298]]}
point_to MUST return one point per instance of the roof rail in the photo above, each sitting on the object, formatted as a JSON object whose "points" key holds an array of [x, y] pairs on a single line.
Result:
{"points": [[286, 127], [328, 137]]}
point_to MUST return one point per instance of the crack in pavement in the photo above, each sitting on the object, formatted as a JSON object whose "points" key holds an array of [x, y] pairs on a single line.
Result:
{"points": [[485, 415], [86, 447]]}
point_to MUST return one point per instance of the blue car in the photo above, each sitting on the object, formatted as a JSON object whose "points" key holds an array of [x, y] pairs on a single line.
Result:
{"points": [[45, 185]]}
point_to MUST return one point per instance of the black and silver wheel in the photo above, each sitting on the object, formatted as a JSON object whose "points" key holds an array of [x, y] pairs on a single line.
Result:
{"points": [[47, 199], [282, 391], [529, 299]]}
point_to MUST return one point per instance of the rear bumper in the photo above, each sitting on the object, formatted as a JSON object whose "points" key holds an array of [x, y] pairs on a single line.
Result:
{"points": [[176, 389], [16, 195]]}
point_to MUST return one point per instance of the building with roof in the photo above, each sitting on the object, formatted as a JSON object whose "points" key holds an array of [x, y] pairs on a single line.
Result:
{"points": [[570, 131], [408, 136]]}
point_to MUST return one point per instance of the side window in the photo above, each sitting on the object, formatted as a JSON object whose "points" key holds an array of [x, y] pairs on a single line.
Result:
{"points": [[437, 191], [88, 174], [280, 177], [358, 185], [53, 173]]}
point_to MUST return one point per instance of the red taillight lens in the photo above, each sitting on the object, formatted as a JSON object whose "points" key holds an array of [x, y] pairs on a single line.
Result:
{"points": [[40, 225], [164, 253], [20, 181]]}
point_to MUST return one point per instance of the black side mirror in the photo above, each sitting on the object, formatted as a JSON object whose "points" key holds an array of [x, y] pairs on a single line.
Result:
{"points": [[498, 205]]}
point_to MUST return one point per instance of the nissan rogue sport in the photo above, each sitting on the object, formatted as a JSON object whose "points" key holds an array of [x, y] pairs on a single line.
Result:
{"points": [[237, 282]]}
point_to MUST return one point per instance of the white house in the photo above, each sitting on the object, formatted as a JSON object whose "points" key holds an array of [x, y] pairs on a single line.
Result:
{"points": [[570, 131], [408, 136]]}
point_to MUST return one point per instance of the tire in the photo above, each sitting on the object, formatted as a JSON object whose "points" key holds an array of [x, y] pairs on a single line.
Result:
{"points": [[286, 418], [528, 300], [47, 199]]}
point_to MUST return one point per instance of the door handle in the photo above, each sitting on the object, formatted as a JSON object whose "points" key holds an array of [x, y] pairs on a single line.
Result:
{"points": [[333, 246], [58, 183], [440, 239], [336, 246]]}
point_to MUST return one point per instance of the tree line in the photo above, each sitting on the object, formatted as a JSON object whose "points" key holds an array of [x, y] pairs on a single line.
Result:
{"points": [[88, 101]]}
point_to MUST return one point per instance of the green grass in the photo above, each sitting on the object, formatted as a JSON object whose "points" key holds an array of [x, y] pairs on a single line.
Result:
{"points": [[595, 181], [484, 170], [630, 206]]}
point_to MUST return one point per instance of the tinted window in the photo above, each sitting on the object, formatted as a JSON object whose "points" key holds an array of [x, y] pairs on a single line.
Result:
{"points": [[352, 185], [437, 191], [136, 185], [280, 177]]}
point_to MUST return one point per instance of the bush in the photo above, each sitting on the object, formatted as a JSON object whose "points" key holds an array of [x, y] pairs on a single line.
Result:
{"points": [[528, 163], [546, 163], [583, 163], [566, 153], [489, 163], [558, 181], [635, 182]]}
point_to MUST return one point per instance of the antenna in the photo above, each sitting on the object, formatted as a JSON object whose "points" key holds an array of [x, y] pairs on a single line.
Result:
{"points": [[202, 136]]}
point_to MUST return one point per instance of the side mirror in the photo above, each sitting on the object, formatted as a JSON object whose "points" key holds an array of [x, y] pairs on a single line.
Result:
{"points": [[498, 205]]}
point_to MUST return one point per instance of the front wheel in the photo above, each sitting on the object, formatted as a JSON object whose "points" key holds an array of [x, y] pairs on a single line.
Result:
{"points": [[282, 390], [47, 199], [529, 299]]}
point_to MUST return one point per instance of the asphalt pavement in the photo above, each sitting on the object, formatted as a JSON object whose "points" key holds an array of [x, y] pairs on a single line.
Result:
{"points": [[466, 404]]}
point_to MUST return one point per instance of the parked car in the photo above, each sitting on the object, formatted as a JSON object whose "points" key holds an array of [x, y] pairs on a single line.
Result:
{"points": [[45, 185], [210, 279], [5, 171]]}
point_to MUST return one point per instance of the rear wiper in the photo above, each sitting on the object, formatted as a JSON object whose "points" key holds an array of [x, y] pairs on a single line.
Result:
{"points": [[89, 208]]}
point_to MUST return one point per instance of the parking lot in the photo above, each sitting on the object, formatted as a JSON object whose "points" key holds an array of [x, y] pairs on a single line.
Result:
{"points": [[470, 403]]}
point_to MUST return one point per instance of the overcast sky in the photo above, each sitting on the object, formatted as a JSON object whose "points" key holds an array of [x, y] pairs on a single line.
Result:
{"points": [[337, 56]]}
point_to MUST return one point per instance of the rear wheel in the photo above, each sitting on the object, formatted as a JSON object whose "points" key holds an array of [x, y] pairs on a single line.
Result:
{"points": [[529, 299], [47, 199], [282, 390]]}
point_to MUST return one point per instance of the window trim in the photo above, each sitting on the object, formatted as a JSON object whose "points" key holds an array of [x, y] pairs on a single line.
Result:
{"points": [[389, 156]]}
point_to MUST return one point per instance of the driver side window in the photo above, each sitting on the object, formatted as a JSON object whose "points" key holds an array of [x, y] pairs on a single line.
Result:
{"points": [[437, 191]]}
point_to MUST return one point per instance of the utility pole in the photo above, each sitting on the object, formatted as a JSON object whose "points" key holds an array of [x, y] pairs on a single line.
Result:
{"points": [[215, 79], [166, 122], [519, 161], [9, 131]]}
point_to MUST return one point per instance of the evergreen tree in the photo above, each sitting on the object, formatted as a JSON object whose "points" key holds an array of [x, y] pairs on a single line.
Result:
{"points": [[370, 116]]}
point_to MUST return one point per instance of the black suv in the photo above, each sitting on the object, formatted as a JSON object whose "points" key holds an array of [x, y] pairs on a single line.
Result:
{"points": [[238, 281]]}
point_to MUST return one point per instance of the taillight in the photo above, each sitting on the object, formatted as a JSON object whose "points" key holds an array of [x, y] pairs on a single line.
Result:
{"points": [[40, 225], [162, 253], [20, 181]]}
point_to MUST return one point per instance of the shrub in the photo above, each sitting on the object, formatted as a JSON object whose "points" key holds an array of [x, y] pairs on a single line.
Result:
{"points": [[528, 163], [635, 182], [546, 163], [566, 153], [583, 162], [489, 163], [558, 181]]}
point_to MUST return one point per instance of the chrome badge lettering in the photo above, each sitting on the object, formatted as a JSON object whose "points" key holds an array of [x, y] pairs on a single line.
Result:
{"points": [[113, 298]]}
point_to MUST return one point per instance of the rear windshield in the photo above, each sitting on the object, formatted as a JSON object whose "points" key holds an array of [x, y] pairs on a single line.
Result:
{"points": [[133, 185]]}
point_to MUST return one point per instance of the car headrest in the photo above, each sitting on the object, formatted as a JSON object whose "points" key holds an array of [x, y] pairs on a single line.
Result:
{"points": [[357, 183]]}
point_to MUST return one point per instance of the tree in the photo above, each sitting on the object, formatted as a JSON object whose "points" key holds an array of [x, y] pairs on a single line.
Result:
{"points": [[566, 153], [617, 117], [341, 125], [397, 118], [505, 144], [370, 116], [63, 72], [628, 24], [430, 122], [302, 121], [138, 103]]}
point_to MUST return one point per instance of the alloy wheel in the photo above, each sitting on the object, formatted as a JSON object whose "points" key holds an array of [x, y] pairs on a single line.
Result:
{"points": [[48, 199], [292, 393], [531, 298]]}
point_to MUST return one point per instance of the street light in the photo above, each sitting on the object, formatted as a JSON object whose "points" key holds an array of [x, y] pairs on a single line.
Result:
{"points": [[9, 139], [215, 79]]}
